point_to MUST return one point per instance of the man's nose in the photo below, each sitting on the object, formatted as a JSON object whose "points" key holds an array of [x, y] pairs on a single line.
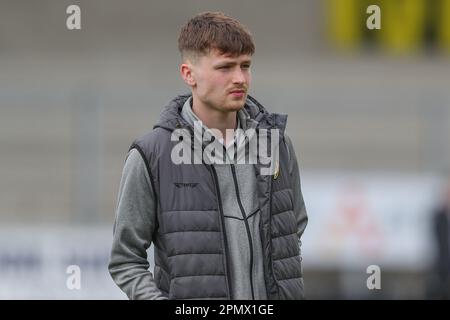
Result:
{"points": [[239, 76]]}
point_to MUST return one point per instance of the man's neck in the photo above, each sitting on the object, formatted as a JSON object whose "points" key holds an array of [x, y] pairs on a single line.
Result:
{"points": [[215, 119]]}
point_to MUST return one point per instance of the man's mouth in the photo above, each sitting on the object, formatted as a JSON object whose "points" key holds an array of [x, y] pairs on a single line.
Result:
{"points": [[237, 93]]}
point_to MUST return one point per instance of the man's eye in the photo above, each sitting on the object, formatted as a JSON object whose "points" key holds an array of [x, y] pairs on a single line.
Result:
{"points": [[224, 67], [246, 66]]}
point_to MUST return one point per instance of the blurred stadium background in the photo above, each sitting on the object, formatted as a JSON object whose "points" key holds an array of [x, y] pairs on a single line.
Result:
{"points": [[369, 114]]}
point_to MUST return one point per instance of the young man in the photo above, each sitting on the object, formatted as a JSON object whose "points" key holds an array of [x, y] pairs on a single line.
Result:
{"points": [[220, 229]]}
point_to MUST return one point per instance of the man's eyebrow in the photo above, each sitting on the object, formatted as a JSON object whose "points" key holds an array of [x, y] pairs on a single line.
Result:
{"points": [[230, 63]]}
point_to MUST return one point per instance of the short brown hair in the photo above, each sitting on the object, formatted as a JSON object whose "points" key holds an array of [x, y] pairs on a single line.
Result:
{"points": [[214, 30]]}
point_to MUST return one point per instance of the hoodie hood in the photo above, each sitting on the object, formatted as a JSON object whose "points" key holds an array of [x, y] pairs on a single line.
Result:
{"points": [[171, 119]]}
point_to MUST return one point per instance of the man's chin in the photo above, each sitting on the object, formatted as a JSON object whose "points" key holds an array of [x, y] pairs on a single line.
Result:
{"points": [[235, 105]]}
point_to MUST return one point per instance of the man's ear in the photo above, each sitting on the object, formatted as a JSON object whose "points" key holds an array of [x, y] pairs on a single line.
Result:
{"points": [[187, 73]]}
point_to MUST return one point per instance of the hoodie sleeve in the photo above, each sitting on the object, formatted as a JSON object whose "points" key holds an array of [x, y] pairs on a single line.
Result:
{"points": [[299, 203], [133, 230]]}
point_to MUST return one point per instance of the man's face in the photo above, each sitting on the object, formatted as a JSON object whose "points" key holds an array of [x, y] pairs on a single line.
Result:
{"points": [[220, 81]]}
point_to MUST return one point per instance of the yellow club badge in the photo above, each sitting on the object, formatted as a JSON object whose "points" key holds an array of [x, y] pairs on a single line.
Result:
{"points": [[277, 170]]}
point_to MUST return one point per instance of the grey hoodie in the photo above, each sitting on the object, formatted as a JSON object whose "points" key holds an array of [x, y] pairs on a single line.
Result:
{"points": [[136, 220]]}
